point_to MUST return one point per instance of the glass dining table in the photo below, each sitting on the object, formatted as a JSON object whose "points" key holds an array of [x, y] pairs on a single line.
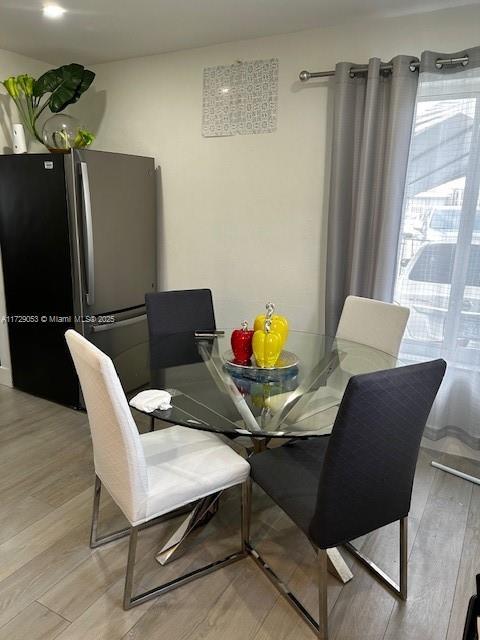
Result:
{"points": [[299, 398]]}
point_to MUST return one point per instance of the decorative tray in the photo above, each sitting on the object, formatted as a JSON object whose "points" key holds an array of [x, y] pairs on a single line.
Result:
{"points": [[286, 366]]}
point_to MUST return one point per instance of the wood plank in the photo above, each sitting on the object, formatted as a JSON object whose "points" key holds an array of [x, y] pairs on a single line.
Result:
{"points": [[36, 622], [88, 581], [434, 563], [469, 564], [17, 514], [29, 582], [76, 477], [57, 451], [190, 604], [38, 537], [38, 575], [241, 608], [53, 471], [105, 619]]}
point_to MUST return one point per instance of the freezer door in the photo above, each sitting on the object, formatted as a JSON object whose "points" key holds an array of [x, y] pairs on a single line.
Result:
{"points": [[116, 210]]}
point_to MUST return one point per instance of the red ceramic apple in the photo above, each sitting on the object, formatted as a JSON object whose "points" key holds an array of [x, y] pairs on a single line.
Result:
{"points": [[241, 342]]}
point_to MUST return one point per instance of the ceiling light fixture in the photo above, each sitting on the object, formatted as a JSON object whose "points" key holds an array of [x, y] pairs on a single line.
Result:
{"points": [[53, 11]]}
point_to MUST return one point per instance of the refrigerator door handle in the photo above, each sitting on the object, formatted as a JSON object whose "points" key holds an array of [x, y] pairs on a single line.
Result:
{"points": [[121, 323], [89, 257]]}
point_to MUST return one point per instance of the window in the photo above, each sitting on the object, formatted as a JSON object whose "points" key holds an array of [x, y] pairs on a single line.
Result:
{"points": [[438, 269]]}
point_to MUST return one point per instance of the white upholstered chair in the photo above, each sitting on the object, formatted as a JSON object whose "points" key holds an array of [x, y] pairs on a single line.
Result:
{"points": [[153, 474], [380, 325], [377, 324]]}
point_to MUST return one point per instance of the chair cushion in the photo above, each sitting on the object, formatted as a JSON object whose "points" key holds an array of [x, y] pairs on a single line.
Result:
{"points": [[184, 465], [290, 475]]}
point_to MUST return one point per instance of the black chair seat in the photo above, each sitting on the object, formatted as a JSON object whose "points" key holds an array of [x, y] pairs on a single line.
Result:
{"points": [[290, 475]]}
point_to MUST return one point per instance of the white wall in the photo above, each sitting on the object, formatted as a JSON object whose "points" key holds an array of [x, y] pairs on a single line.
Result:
{"points": [[11, 64], [243, 215]]}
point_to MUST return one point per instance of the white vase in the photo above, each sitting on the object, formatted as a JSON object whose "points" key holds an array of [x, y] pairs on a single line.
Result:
{"points": [[18, 137]]}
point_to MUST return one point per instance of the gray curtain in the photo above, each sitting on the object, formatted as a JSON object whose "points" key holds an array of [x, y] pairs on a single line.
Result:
{"points": [[371, 138]]}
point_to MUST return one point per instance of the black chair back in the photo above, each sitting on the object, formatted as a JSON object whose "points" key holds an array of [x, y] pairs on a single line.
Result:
{"points": [[173, 312], [367, 476], [173, 317]]}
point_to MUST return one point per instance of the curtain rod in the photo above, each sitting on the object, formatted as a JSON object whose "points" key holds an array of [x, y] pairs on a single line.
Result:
{"points": [[307, 75]]}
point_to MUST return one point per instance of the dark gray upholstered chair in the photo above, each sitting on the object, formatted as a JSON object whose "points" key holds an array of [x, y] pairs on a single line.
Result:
{"points": [[357, 480], [171, 312], [173, 317]]}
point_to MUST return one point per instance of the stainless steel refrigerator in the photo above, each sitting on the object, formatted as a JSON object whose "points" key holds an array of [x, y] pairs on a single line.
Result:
{"points": [[78, 245]]}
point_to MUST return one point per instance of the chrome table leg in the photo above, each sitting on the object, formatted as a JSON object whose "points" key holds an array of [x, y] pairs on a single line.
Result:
{"points": [[174, 546], [337, 565]]}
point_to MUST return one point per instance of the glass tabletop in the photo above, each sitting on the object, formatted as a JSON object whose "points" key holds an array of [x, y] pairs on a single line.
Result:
{"points": [[299, 398]]}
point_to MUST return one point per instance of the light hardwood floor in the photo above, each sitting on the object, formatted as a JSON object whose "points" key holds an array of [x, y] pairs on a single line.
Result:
{"points": [[53, 586]]}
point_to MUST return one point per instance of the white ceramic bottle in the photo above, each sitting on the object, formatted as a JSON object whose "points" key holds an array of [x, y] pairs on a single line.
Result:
{"points": [[19, 144]]}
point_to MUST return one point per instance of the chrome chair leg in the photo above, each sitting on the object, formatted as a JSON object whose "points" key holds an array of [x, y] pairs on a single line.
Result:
{"points": [[319, 628], [152, 423], [95, 509], [95, 541], [246, 513], [398, 590], [287, 594], [130, 600], [403, 558], [132, 552], [322, 561]]}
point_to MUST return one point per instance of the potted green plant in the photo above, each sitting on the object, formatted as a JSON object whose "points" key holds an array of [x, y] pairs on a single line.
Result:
{"points": [[54, 90]]}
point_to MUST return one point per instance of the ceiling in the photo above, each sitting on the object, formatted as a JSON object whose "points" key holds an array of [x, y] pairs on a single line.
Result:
{"points": [[93, 31]]}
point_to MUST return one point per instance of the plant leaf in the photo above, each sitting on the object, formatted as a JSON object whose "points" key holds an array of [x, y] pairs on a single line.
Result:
{"points": [[87, 79], [66, 84], [47, 83], [25, 83], [11, 86], [85, 82], [71, 77]]}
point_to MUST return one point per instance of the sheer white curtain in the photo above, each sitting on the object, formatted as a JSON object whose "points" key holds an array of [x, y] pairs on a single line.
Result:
{"points": [[438, 263]]}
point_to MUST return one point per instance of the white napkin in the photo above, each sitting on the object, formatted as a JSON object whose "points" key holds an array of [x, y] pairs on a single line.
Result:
{"points": [[151, 400]]}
